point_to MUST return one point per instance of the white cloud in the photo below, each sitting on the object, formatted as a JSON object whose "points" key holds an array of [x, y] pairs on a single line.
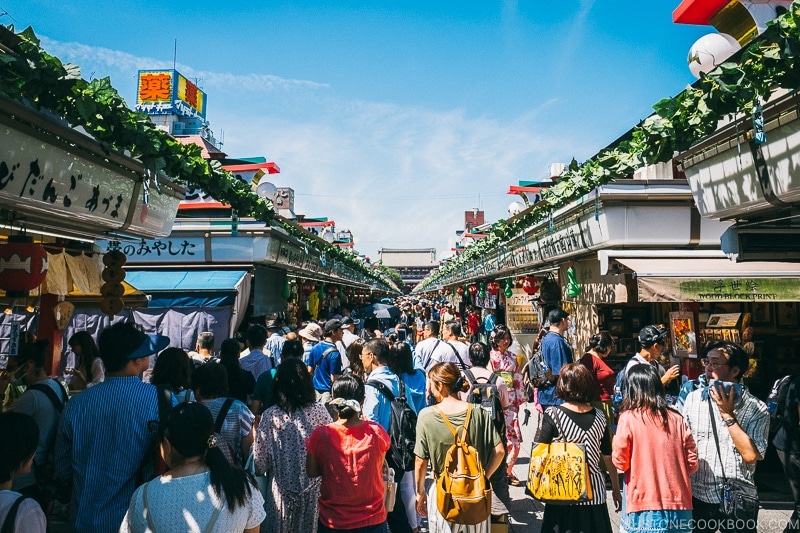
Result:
{"points": [[106, 58], [395, 176]]}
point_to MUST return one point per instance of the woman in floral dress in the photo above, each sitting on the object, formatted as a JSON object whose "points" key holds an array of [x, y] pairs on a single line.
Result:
{"points": [[505, 365], [280, 450]]}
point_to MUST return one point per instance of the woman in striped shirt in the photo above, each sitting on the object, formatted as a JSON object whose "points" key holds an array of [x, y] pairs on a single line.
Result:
{"points": [[577, 421]]}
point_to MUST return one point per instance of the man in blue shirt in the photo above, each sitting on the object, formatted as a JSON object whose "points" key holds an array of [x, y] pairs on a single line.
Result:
{"points": [[325, 361], [105, 433], [274, 344], [375, 357], [556, 352]]}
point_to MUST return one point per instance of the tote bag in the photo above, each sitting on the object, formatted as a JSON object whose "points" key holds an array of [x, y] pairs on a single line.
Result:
{"points": [[558, 472]]}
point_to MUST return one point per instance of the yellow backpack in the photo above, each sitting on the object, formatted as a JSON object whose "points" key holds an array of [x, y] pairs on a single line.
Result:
{"points": [[463, 494]]}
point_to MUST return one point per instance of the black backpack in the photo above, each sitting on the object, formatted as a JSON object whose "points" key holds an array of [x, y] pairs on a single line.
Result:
{"points": [[402, 428], [483, 391], [536, 369], [776, 403]]}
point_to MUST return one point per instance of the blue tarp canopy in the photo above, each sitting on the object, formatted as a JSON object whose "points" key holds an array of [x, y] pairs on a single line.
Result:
{"points": [[193, 288]]}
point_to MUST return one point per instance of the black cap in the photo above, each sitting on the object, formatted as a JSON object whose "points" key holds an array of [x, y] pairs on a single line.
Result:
{"points": [[650, 335], [348, 321], [332, 325]]}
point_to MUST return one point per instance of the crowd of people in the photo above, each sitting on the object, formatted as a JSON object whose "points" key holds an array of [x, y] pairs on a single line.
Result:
{"points": [[299, 429]]}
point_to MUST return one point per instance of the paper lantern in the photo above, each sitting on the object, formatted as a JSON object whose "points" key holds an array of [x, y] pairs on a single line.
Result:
{"points": [[460, 291], [333, 290], [307, 287], [530, 285], [493, 287], [573, 289], [509, 292], [472, 289], [710, 51], [23, 265], [482, 290]]}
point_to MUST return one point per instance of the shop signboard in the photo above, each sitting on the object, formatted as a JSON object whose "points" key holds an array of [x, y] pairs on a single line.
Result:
{"points": [[729, 289], [56, 188], [168, 92]]}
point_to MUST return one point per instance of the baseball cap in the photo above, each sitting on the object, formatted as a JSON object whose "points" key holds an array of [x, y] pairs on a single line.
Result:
{"points": [[651, 335], [332, 325], [348, 321], [150, 345]]}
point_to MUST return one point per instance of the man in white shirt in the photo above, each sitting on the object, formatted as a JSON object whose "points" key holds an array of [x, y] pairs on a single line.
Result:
{"points": [[349, 326], [430, 349], [459, 351]]}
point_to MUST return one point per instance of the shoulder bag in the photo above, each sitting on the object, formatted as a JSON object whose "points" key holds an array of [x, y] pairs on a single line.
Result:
{"points": [[739, 500], [558, 471]]}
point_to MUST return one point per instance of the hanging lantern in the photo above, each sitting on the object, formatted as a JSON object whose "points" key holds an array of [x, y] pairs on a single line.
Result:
{"points": [[573, 289], [509, 292], [23, 265], [530, 285], [473, 289], [442, 292], [308, 287], [482, 290], [460, 290], [493, 287], [287, 290], [333, 291]]}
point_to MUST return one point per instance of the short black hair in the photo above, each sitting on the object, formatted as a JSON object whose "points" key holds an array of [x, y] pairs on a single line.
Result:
{"points": [[256, 335], [479, 354], [380, 349], [33, 352], [555, 316], [454, 327], [291, 349], [117, 342], [19, 436], [210, 380], [737, 357]]}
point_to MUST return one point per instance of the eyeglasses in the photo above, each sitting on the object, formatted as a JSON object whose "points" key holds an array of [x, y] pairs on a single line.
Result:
{"points": [[364, 354], [712, 364]]}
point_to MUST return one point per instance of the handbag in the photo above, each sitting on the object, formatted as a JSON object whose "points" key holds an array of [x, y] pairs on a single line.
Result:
{"points": [[558, 471], [739, 500], [390, 495], [262, 481]]}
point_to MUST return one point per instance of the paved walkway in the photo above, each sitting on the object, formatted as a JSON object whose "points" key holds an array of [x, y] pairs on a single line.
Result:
{"points": [[526, 513]]}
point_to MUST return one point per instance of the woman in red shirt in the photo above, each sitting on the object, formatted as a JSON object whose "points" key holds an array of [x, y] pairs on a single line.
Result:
{"points": [[600, 346], [348, 454]]}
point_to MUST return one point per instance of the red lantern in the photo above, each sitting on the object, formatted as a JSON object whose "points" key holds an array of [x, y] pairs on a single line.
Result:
{"points": [[23, 265], [530, 285], [472, 289], [493, 287], [333, 290], [460, 291], [308, 287]]}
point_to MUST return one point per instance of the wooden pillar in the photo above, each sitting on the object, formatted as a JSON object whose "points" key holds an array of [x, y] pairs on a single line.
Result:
{"points": [[48, 330]]}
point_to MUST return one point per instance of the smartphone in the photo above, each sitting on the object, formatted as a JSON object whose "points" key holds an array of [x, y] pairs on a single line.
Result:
{"points": [[724, 388], [401, 335]]}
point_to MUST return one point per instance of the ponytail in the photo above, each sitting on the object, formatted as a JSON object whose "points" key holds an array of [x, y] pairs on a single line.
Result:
{"points": [[229, 481]]}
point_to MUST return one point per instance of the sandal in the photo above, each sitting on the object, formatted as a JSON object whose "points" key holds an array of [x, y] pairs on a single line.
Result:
{"points": [[512, 480]]}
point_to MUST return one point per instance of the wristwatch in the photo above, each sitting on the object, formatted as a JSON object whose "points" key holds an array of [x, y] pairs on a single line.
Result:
{"points": [[729, 421]]}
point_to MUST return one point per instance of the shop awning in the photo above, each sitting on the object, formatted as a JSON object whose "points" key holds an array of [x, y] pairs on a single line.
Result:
{"points": [[193, 288], [710, 280]]}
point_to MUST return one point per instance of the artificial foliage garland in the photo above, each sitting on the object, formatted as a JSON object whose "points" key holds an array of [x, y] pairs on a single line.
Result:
{"points": [[31, 76], [770, 62]]}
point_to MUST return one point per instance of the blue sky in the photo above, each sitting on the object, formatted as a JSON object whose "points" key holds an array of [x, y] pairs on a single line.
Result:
{"points": [[392, 118]]}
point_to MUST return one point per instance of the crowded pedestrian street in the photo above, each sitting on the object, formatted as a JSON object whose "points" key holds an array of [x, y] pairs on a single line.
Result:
{"points": [[409, 267]]}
